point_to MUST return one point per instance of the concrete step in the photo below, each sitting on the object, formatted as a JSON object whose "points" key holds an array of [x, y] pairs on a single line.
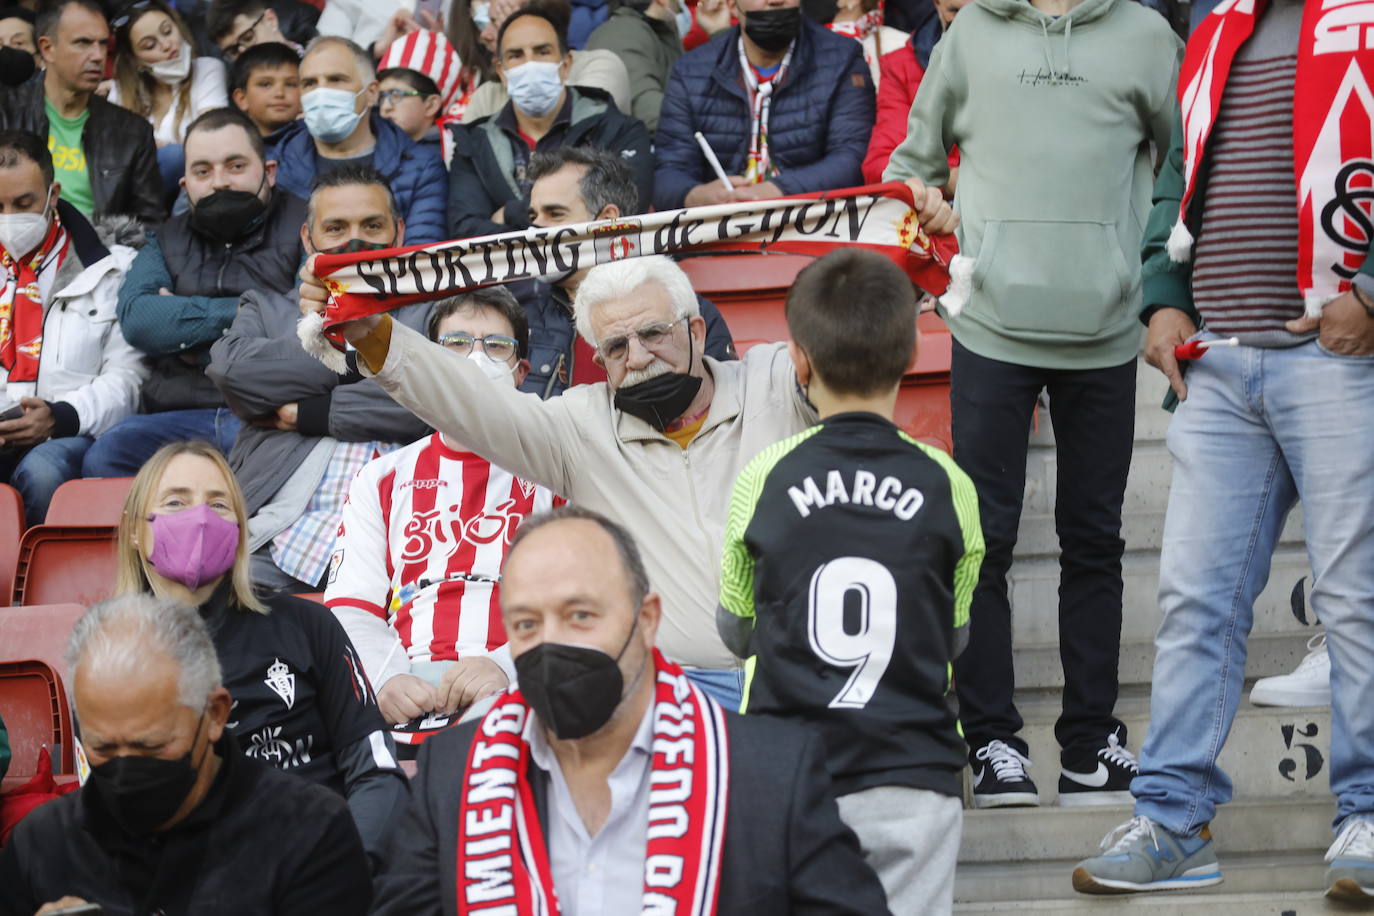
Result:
{"points": [[1034, 584], [1221, 902], [1271, 752], [1012, 835], [1299, 872], [1038, 666], [1142, 531]]}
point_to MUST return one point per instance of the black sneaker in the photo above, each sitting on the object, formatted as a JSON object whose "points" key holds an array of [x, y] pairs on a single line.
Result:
{"points": [[1098, 777], [999, 777]]}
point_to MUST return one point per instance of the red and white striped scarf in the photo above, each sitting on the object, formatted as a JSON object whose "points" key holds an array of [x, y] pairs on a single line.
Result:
{"points": [[759, 166], [1333, 132], [503, 860]]}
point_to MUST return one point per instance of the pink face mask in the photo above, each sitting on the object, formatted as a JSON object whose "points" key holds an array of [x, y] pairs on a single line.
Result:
{"points": [[193, 546]]}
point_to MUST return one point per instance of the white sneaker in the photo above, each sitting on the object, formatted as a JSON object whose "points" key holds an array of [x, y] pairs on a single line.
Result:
{"points": [[1308, 685]]}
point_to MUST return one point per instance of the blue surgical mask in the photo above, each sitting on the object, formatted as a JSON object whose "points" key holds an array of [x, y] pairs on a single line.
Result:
{"points": [[535, 87], [683, 19], [330, 114]]}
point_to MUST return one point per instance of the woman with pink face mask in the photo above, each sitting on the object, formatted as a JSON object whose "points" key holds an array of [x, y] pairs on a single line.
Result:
{"points": [[301, 699], [158, 77]]}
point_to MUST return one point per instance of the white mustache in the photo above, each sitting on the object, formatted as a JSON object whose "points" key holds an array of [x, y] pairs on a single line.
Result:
{"points": [[653, 370]]}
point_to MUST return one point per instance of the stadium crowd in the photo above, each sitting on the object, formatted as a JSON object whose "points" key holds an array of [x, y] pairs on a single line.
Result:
{"points": [[611, 617]]}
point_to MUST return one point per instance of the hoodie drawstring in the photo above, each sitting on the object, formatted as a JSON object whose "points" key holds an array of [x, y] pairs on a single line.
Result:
{"points": [[1049, 56]]}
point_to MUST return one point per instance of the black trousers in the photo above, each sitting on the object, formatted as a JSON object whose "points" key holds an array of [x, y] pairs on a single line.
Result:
{"points": [[1093, 413]]}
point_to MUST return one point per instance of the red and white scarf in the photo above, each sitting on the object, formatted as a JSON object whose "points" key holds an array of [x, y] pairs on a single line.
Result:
{"points": [[503, 860], [1333, 131], [859, 28], [759, 166], [21, 304]]}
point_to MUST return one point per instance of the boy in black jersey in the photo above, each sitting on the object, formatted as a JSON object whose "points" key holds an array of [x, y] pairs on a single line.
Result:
{"points": [[851, 553]]}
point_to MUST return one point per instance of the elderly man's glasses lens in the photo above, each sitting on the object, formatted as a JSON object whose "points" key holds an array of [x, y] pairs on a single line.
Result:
{"points": [[245, 39], [497, 346], [396, 96], [651, 336]]}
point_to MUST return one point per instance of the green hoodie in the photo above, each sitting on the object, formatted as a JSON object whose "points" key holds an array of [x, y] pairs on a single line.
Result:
{"points": [[1054, 118]]}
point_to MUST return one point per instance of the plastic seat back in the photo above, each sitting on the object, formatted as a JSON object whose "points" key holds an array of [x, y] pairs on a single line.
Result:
{"points": [[33, 704], [89, 501], [40, 634], [65, 565], [11, 530]]}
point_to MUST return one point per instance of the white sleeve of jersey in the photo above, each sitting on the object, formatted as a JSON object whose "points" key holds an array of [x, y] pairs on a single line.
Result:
{"points": [[359, 585]]}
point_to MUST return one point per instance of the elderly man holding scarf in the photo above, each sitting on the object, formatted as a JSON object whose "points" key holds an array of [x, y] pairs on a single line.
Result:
{"points": [[66, 372], [1275, 97]]}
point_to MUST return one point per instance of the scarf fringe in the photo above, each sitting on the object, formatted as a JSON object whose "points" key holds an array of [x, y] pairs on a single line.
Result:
{"points": [[1314, 302], [1180, 244], [310, 331], [960, 284]]}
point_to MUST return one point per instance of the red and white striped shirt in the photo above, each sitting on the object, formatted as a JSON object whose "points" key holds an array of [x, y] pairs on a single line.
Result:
{"points": [[417, 522]]}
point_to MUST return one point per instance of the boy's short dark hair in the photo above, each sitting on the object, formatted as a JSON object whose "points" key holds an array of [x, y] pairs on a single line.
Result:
{"points": [[267, 56], [497, 298], [17, 145], [854, 313], [219, 18], [412, 78]]}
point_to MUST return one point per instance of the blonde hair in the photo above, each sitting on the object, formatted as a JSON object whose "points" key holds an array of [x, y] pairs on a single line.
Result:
{"points": [[133, 573]]}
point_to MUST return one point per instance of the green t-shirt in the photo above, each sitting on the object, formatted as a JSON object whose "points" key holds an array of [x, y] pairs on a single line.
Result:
{"points": [[69, 158]]}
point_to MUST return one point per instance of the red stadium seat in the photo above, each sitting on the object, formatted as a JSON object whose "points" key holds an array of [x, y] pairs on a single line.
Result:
{"points": [[61, 564], [34, 705], [38, 636], [89, 501], [11, 529]]}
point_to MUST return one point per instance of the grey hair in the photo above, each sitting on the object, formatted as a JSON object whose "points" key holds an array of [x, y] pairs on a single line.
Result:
{"points": [[367, 71], [624, 280], [606, 180], [630, 559], [120, 633]]}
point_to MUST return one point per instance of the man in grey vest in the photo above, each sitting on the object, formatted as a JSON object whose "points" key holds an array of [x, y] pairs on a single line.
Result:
{"points": [[183, 289]]}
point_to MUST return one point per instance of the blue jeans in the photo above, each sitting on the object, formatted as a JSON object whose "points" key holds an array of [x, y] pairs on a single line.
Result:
{"points": [[1260, 430], [38, 472], [726, 686], [124, 447]]}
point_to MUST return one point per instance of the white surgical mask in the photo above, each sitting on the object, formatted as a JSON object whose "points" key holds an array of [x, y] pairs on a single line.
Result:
{"points": [[21, 233], [330, 114], [481, 14], [173, 72], [493, 369], [683, 20], [535, 86]]}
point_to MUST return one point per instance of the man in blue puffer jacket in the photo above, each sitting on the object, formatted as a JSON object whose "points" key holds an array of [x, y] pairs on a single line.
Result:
{"points": [[786, 105], [338, 91]]}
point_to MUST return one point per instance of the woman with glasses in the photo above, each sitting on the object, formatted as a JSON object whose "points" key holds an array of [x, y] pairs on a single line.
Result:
{"points": [[301, 700], [158, 77]]}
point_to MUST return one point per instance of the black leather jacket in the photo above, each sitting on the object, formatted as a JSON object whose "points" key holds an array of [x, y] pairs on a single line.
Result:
{"points": [[121, 156]]}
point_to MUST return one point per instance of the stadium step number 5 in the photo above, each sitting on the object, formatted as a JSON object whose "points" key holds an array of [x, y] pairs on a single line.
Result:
{"points": [[868, 650]]}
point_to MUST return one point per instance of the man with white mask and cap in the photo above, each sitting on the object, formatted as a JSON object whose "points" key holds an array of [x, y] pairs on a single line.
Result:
{"points": [[415, 573]]}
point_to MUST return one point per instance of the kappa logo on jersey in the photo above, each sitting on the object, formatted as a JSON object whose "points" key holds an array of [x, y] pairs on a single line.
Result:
{"points": [[425, 530], [282, 682], [527, 487]]}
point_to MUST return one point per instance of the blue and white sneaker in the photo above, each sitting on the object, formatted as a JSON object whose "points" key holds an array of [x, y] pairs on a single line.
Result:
{"points": [[1141, 855], [1351, 873]]}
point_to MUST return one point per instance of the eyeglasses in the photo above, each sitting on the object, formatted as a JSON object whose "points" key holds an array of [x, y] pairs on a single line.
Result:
{"points": [[651, 336], [245, 39], [394, 96], [498, 346]]}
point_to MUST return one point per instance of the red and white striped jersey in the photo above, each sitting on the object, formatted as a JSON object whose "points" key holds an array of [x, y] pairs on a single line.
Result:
{"points": [[421, 541]]}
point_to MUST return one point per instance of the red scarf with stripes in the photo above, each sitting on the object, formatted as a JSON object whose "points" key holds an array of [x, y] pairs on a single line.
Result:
{"points": [[503, 859], [21, 304], [1333, 132]]}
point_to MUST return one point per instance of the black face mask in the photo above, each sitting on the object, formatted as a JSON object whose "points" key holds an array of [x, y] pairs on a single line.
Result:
{"points": [[227, 215], [773, 30], [573, 689], [15, 66], [142, 793], [663, 398]]}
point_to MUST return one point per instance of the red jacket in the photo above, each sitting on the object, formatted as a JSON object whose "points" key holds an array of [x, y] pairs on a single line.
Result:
{"points": [[901, 75]]}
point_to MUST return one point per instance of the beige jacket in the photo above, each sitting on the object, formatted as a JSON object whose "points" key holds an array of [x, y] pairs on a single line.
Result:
{"points": [[673, 500]]}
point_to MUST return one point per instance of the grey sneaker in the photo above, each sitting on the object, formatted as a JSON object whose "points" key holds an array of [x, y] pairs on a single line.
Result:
{"points": [[1351, 873], [1141, 855]]}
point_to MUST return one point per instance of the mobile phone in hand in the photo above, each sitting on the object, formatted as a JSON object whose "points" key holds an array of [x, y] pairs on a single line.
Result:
{"points": [[81, 909], [12, 413]]}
